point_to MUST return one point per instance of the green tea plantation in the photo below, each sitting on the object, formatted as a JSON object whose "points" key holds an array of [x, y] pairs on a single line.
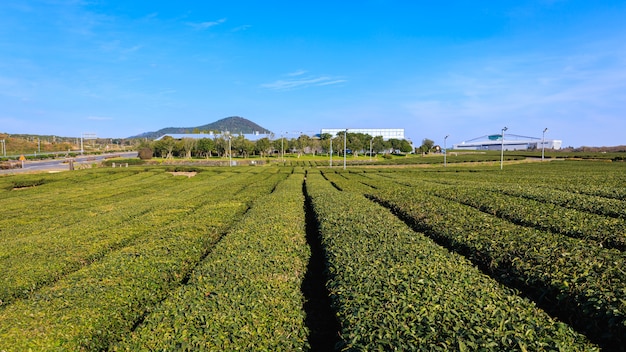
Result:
{"points": [[313, 258]]}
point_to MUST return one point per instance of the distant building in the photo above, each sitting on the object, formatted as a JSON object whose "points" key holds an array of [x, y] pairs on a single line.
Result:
{"points": [[511, 142], [386, 133]]}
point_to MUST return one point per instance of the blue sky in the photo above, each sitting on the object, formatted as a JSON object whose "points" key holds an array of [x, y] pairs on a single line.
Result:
{"points": [[434, 68]]}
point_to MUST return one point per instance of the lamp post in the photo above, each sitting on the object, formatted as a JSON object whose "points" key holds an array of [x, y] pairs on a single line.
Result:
{"points": [[230, 152], [4, 148], [331, 151], [502, 148], [282, 146], [371, 148], [445, 151], [543, 142], [345, 137]]}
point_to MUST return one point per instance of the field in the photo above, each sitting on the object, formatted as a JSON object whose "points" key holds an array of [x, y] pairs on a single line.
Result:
{"points": [[299, 257]]}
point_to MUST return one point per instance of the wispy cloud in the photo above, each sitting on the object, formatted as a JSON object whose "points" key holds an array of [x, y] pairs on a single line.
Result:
{"points": [[298, 80], [575, 90], [297, 73], [241, 28], [205, 25]]}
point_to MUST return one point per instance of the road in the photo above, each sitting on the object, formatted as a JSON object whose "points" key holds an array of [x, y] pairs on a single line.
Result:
{"points": [[63, 164]]}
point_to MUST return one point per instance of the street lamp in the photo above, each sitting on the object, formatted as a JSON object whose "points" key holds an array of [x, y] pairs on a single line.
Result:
{"points": [[371, 148], [230, 152], [445, 151], [331, 151], [282, 146], [543, 142], [345, 137], [502, 148]]}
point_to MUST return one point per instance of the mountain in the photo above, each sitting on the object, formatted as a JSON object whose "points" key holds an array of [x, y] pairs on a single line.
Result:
{"points": [[233, 124]]}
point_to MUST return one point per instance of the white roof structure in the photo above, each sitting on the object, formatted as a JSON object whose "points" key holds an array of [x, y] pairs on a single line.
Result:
{"points": [[511, 142]]}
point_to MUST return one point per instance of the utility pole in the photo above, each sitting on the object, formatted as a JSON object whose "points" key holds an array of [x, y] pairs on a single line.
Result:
{"points": [[282, 147], [331, 151], [502, 148], [345, 137], [230, 152], [445, 150], [543, 142]]}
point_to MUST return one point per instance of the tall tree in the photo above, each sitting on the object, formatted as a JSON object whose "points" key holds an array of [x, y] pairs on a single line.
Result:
{"points": [[325, 142], [165, 147], [303, 143], [405, 146], [262, 146], [189, 144], [291, 145], [427, 145], [221, 145], [379, 145], [205, 146]]}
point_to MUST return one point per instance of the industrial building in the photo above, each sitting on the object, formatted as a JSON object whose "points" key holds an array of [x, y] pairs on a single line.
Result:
{"points": [[386, 133], [510, 142]]}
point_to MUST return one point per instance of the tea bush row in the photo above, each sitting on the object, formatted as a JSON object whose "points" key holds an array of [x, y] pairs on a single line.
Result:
{"points": [[585, 283], [93, 307], [246, 294], [395, 289], [522, 210], [35, 252]]}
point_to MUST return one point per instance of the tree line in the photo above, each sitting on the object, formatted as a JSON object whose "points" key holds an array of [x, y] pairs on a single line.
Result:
{"points": [[239, 146]]}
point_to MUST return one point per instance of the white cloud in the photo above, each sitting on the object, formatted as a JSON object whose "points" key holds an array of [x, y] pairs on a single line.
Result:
{"points": [[241, 28], [296, 73], [205, 25], [527, 93], [328, 83], [302, 81]]}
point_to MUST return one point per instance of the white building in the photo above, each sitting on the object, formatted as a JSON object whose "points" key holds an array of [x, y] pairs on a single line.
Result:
{"points": [[386, 133], [511, 142]]}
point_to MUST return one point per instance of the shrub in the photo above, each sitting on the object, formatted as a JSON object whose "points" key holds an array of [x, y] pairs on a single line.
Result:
{"points": [[145, 153]]}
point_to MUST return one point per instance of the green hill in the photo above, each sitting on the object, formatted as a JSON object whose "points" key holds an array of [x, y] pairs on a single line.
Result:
{"points": [[233, 124]]}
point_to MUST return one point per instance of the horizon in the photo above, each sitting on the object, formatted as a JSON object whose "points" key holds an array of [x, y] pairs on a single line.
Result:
{"points": [[119, 69], [294, 135]]}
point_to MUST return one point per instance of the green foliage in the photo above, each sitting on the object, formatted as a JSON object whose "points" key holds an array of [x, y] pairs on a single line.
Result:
{"points": [[395, 289], [246, 293], [135, 259], [26, 182], [606, 231], [92, 285], [184, 168], [145, 153], [578, 274], [427, 145]]}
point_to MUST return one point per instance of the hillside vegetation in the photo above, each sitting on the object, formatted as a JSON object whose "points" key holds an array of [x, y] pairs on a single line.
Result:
{"points": [[233, 124]]}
